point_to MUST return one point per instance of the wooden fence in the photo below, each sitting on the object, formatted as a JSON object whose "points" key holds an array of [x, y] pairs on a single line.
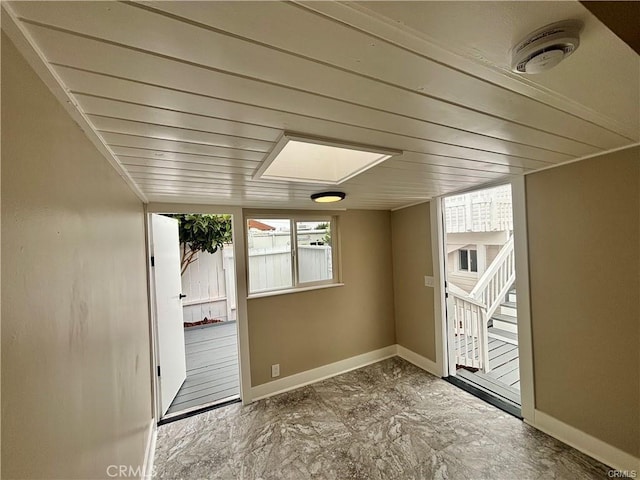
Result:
{"points": [[209, 282], [209, 286], [271, 269]]}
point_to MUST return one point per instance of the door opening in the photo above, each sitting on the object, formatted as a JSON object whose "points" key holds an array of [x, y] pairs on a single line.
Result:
{"points": [[481, 296], [195, 313]]}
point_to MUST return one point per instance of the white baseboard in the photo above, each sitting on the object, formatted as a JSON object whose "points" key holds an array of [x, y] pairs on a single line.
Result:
{"points": [[150, 451], [317, 374], [419, 361], [607, 454]]}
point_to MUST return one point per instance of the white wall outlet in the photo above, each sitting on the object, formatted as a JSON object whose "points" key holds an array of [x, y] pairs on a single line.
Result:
{"points": [[275, 370], [428, 281]]}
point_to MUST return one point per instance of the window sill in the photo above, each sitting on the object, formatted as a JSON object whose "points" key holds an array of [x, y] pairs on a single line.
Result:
{"points": [[292, 290]]}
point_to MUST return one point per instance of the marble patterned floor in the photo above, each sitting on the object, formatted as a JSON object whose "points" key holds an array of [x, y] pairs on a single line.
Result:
{"points": [[389, 420]]}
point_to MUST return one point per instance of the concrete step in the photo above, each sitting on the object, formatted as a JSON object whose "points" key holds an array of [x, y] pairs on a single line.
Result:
{"points": [[504, 335], [509, 308]]}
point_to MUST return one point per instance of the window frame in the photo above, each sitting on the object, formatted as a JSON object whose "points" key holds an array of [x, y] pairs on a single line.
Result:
{"points": [[469, 262], [294, 218]]}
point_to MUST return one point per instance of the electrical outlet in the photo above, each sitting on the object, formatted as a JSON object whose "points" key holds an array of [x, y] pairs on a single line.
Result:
{"points": [[275, 370], [428, 281]]}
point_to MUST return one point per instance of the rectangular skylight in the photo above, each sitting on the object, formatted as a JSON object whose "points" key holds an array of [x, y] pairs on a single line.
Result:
{"points": [[301, 159]]}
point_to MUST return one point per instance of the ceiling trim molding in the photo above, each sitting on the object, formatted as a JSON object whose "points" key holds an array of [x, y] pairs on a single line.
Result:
{"points": [[369, 22], [426, 200], [36, 59], [585, 157], [495, 183]]}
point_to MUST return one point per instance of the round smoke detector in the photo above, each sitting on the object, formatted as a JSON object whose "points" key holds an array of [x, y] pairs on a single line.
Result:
{"points": [[546, 47]]}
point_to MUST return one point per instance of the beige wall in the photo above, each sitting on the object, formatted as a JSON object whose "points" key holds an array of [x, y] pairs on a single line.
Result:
{"points": [[75, 344], [305, 330], [412, 260], [584, 242]]}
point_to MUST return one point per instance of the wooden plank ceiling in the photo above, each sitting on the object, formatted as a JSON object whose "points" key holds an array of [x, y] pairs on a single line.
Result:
{"points": [[191, 96]]}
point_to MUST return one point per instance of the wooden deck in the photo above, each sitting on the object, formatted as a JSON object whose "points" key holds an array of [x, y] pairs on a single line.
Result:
{"points": [[504, 377], [212, 367]]}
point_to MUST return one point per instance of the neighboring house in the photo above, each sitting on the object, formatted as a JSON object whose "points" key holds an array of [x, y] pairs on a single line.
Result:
{"points": [[477, 224], [255, 225]]}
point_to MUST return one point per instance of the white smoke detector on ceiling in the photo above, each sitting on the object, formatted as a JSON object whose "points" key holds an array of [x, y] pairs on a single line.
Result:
{"points": [[546, 47]]}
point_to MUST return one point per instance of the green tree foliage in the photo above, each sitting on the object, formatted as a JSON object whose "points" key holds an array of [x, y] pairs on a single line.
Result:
{"points": [[327, 236], [202, 233]]}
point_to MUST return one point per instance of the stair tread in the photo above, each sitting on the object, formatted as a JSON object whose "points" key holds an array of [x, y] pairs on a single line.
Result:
{"points": [[505, 318], [509, 304], [502, 333]]}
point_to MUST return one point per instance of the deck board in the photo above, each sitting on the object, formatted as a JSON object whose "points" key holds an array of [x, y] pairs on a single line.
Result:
{"points": [[511, 378], [487, 383], [504, 358], [505, 368], [212, 366], [504, 376]]}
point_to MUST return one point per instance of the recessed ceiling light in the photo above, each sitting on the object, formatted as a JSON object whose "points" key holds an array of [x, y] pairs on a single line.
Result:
{"points": [[328, 197], [310, 160]]}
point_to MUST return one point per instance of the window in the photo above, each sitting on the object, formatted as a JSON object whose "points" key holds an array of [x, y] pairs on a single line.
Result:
{"points": [[287, 253], [468, 260]]}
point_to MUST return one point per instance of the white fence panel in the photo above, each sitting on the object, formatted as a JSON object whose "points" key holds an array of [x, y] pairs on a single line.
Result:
{"points": [[228, 263], [269, 269], [314, 263], [216, 310], [209, 289], [204, 278]]}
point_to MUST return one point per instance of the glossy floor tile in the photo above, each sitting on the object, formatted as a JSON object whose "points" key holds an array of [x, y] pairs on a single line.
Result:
{"points": [[389, 420]]}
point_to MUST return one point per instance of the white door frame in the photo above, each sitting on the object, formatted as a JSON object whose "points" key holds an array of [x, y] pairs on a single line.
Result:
{"points": [[525, 345], [241, 292]]}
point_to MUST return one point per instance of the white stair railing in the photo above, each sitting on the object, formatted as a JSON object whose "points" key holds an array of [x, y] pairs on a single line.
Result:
{"points": [[497, 279], [470, 331], [471, 313]]}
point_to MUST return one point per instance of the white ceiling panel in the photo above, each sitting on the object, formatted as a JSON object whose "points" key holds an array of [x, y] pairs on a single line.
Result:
{"points": [[84, 85], [190, 97]]}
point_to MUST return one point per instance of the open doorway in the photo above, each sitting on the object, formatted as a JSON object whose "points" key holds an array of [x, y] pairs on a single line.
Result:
{"points": [[195, 312], [481, 296]]}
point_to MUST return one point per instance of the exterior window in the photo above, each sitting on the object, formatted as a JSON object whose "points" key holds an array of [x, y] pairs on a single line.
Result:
{"points": [[468, 261], [288, 253]]}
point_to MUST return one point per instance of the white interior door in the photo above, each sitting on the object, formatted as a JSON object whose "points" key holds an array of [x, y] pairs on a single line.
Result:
{"points": [[168, 303]]}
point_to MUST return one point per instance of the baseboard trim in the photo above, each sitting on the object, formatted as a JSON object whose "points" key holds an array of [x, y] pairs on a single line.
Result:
{"points": [[150, 451], [602, 451], [321, 373], [419, 361]]}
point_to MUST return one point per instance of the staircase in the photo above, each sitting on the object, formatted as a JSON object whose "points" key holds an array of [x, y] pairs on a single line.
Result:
{"points": [[504, 323], [491, 305]]}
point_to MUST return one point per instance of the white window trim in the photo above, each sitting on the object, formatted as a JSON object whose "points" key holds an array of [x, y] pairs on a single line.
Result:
{"points": [[287, 291], [335, 281]]}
